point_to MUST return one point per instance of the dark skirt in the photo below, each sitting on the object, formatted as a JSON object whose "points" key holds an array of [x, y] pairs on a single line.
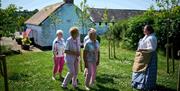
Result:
{"points": [[146, 80]]}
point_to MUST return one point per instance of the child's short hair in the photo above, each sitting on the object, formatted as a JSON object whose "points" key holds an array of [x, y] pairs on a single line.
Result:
{"points": [[73, 30]]}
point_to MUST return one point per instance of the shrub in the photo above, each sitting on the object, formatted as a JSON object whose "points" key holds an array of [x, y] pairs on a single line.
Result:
{"points": [[19, 40], [26, 41]]}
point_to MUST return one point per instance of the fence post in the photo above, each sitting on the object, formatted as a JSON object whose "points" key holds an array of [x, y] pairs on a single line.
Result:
{"points": [[172, 56], [178, 83], [167, 56], [3, 59]]}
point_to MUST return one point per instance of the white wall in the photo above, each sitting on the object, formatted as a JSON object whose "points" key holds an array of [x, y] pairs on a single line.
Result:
{"points": [[101, 29], [35, 33]]}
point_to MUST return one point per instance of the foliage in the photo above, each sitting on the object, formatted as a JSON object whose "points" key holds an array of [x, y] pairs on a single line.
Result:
{"points": [[105, 17], [84, 17], [26, 41], [8, 19], [135, 29], [13, 18], [166, 23], [166, 4]]}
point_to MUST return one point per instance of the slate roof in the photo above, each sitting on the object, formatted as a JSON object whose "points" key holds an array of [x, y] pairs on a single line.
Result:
{"points": [[113, 14]]}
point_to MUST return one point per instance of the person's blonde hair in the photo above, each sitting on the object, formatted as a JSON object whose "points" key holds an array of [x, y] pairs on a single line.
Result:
{"points": [[73, 30], [91, 30]]}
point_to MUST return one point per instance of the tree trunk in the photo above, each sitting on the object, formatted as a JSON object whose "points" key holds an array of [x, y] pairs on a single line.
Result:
{"points": [[109, 49], [167, 59], [114, 48], [172, 57]]}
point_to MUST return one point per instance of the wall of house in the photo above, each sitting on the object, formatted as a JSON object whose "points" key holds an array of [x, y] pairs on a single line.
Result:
{"points": [[35, 33], [101, 28], [68, 17]]}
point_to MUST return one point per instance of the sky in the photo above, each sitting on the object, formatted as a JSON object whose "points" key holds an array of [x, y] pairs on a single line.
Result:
{"points": [[109, 4]]}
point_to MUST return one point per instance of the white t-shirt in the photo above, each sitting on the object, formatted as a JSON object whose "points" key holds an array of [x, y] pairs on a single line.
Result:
{"points": [[58, 47], [72, 45], [148, 42]]}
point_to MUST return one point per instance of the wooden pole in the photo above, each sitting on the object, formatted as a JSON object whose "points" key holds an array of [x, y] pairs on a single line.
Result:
{"points": [[167, 56], [109, 49], [81, 59], [178, 82], [114, 48], [3, 59], [172, 57]]}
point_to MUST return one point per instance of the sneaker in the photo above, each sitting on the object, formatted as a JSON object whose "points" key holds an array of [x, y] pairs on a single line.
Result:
{"points": [[87, 88], [53, 78]]}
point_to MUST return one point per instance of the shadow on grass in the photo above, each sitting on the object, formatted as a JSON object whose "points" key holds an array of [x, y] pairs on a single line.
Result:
{"points": [[17, 76], [103, 88], [163, 88], [106, 78]]}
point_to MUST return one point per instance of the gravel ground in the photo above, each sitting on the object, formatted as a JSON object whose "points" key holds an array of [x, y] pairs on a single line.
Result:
{"points": [[8, 41]]}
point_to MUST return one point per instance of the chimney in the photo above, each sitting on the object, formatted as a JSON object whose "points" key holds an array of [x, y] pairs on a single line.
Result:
{"points": [[69, 1]]}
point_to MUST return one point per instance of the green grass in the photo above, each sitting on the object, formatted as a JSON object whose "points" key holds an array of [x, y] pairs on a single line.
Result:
{"points": [[32, 72]]}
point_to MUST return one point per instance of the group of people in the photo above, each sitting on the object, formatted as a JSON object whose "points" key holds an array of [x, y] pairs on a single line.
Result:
{"points": [[69, 52], [144, 73]]}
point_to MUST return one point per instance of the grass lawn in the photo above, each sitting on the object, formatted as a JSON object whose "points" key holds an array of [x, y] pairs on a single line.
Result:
{"points": [[32, 71]]}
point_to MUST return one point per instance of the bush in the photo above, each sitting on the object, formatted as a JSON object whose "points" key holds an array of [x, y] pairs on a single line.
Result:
{"points": [[26, 41], [165, 23], [19, 40], [135, 29]]}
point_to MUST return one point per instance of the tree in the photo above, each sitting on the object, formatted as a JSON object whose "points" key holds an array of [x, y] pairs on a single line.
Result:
{"points": [[84, 17], [105, 17], [111, 35], [167, 4], [8, 24]]}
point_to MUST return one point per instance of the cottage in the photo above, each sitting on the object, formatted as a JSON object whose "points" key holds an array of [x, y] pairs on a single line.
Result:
{"points": [[47, 21]]}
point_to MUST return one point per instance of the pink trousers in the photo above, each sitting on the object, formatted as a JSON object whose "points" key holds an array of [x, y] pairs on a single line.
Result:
{"points": [[58, 64]]}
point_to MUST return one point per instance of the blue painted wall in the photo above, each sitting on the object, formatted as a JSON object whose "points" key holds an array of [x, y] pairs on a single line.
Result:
{"points": [[67, 15]]}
